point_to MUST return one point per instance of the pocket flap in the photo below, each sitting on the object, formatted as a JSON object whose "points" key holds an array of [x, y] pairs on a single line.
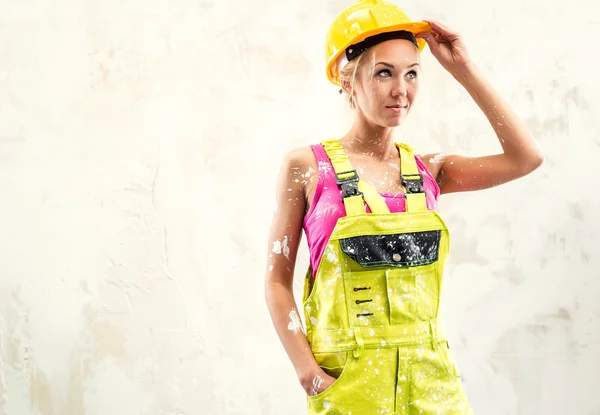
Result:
{"points": [[396, 250]]}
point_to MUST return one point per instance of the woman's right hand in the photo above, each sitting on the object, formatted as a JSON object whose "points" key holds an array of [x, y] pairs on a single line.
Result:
{"points": [[316, 382]]}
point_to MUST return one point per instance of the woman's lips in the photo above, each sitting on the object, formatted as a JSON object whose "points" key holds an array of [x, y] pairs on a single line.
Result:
{"points": [[396, 108]]}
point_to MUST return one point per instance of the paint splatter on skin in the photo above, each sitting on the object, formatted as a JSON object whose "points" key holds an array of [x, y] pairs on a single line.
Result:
{"points": [[438, 158], [316, 384], [285, 248], [295, 324], [277, 247], [280, 247]]}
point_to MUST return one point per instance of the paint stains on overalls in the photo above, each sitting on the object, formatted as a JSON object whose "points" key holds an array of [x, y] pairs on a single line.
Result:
{"points": [[372, 310]]}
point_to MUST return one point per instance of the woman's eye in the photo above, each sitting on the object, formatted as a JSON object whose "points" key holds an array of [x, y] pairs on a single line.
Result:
{"points": [[385, 71], [412, 74]]}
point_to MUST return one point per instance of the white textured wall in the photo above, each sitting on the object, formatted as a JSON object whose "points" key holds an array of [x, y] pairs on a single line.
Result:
{"points": [[139, 143]]}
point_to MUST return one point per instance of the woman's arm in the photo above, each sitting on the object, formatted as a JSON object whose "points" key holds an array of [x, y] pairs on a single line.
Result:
{"points": [[521, 154], [284, 239]]}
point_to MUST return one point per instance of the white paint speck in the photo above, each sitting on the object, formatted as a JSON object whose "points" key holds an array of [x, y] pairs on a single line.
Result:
{"points": [[331, 257], [316, 384], [295, 324], [438, 158], [309, 172], [280, 247]]}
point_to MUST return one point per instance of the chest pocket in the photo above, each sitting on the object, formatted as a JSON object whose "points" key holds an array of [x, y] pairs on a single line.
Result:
{"points": [[396, 250], [405, 290]]}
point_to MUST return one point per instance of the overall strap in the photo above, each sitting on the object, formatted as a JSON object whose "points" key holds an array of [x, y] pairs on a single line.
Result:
{"points": [[355, 191], [411, 179]]}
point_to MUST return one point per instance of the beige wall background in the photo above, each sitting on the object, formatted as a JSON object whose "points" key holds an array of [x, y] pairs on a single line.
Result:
{"points": [[139, 143]]}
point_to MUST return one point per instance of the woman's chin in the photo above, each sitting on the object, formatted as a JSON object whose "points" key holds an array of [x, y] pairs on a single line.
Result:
{"points": [[392, 121]]}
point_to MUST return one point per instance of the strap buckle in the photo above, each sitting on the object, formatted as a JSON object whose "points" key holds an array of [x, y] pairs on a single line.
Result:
{"points": [[349, 185], [413, 184]]}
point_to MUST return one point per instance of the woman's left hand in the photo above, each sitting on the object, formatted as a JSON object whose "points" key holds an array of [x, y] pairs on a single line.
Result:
{"points": [[447, 46]]}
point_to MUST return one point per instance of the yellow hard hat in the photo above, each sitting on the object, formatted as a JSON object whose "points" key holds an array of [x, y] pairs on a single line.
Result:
{"points": [[364, 20]]}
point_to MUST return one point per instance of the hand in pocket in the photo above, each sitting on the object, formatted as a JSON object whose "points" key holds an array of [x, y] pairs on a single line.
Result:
{"points": [[319, 383]]}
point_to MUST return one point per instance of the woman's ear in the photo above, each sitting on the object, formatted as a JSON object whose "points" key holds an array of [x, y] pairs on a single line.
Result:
{"points": [[346, 87]]}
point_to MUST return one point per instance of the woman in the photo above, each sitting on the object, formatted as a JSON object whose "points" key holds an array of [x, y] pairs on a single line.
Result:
{"points": [[377, 246]]}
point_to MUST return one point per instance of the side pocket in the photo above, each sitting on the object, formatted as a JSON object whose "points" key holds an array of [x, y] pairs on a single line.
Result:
{"points": [[448, 360], [335, 364], [309, 282]]}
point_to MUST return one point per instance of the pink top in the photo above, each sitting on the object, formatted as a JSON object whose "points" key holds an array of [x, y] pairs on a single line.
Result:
{"points": [[327, 206]]}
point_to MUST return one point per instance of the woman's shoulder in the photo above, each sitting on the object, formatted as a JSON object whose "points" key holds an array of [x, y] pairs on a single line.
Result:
{"points": [[300, 162], [432, 162], [300, 156]]}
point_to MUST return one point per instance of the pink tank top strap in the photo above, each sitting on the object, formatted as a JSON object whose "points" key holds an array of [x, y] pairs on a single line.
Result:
{"points": [[325, 175], [430, 182]]}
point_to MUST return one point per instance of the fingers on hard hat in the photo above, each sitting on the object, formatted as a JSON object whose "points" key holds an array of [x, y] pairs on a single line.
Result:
{"points": [[432, 42], [425, 35], [439, 27]]}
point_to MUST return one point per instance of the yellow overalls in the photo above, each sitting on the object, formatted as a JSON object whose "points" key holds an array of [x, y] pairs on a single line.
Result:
{"points": [[372, 309]]}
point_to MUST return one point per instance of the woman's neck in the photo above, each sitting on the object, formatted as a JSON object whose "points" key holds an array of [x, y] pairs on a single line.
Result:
{"points": [[369, 139]]}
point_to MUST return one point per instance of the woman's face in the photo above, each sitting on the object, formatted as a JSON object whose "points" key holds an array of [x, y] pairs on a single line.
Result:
{"points": [[388, 81]]}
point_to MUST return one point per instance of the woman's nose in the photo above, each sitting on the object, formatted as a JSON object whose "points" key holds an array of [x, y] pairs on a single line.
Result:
{"points": [[399, 89]]}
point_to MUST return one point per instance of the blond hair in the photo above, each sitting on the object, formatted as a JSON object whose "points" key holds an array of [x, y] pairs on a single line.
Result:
{"points": [[349, 73]]}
